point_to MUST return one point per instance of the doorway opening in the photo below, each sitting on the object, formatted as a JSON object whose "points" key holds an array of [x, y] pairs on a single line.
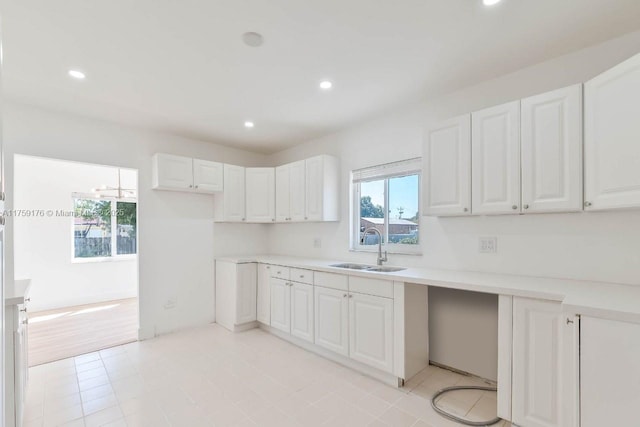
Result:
{"points": [[76, 241]]}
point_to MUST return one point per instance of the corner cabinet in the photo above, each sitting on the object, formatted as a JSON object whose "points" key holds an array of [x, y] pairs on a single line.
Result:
{"points": [[552, 151], [446, 170], [229, 206], [180, 173], [260, 195], [495, 154], [612, 138], [545, 365]]}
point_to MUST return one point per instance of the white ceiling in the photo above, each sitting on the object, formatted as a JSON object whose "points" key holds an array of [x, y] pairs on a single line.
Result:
{"points": [[181, 67]]}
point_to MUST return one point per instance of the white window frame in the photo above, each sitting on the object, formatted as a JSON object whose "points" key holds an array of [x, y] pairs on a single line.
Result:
{"points": [[114, 235], [377, 173]]}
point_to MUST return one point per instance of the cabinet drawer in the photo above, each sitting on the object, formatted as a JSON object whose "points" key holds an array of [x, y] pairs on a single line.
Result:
{"points": [[331, 280], [362, 285], [302, 276], [280, 272]]}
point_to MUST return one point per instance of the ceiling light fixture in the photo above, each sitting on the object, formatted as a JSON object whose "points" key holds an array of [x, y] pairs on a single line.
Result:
{"points": [[326, 85], [249, 125], [253, 39], [491, 2], [77, 74]]}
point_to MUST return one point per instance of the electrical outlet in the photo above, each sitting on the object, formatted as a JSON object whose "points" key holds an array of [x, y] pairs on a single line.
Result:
{"points": [[317, 242], [171, 303], [488, 245]]}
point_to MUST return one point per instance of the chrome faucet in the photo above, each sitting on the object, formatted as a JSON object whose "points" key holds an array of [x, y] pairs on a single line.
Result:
{"points": [[376, 231]]}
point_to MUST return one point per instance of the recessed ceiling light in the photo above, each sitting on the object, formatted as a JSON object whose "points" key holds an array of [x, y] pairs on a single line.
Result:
{"points": [[77, 74], [326, 85], [248, 125], [253, 39], [490, 2]]}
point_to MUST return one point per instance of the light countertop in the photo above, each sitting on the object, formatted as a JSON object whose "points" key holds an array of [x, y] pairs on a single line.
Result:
{"points": [[18, 292], [598, 299]]}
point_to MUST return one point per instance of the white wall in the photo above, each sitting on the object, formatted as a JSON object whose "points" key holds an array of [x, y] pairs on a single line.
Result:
{"points": [[177, 237], [594, 246], [44, 244]]}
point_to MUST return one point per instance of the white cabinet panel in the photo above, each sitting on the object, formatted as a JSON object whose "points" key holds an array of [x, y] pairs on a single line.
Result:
{"points": [[332, 319], [172, 172], [230, 204], [207, 176], [246, 293], [283, 193], [545, 359], [263, 305], [321, 189], [297, 191], [552, 151], [280, 304], [302, 311], [612, 138], [260, 194], [371, 330], [446, 170], [495, 154], [609, 372]]}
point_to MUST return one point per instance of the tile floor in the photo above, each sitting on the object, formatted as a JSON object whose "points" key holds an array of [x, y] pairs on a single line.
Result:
{"points": [[211, 377]]}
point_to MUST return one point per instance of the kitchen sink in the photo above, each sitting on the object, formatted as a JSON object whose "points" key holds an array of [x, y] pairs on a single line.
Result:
{"points": [[352, 266], [364, 267], [385, 269]]}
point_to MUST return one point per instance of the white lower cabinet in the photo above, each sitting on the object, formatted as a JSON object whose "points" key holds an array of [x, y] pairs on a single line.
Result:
{"points": [[332, 319], [609, 372], [263, 306], [280, 304], [545, 365], [302, 311], [371, 330], [235, 294]]}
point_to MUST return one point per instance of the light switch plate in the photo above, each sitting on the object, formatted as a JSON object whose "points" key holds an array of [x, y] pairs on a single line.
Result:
{"points": [[488, 245]]}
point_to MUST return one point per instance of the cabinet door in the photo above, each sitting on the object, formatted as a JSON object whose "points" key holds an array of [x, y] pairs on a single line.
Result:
{"points": [[552, 151], [283, 193], [495, 159], [302, 311], [263, 305], [280, 304], [207, 176], [371, 330], [297, 191], [246, 293], [314, 194], [260, 194], [545, 358], [234, 191], [332, 317], [172, 172], [609, 372], [612, 138], [446, 170]]}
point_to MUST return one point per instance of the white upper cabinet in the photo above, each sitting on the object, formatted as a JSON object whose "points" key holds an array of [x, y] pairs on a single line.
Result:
{"points": [[446, 170], [612, 138], [552, 151], [307, 190], [495, 153], [260, 194], [321, 185], [172, 172], [207, 176], [229, 205], [186, 174], [283, 193], [297, 191]]}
